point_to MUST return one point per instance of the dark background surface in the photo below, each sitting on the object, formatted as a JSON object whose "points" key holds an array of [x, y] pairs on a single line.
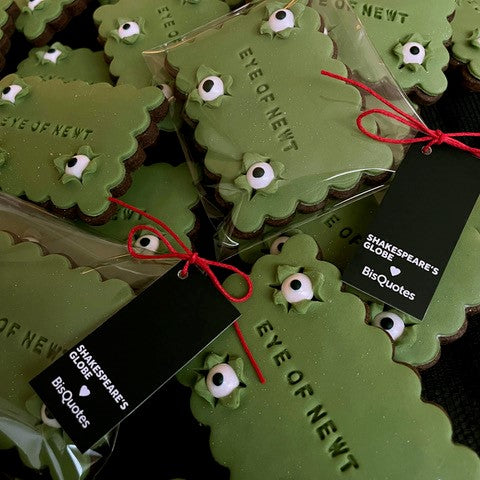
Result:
{"points": [[179, 448]]}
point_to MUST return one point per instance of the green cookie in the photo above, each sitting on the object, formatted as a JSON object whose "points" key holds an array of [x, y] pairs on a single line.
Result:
{"points": [[418, 342], [129, 28], [47, 306], [8, 14], [466, 36], [163, 191], [60, 61], [73, 144], [280, 135], [334, 404], [39, 20]]}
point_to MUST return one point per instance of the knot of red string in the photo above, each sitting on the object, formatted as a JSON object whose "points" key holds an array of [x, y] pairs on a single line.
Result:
{"points": [[190, 258], [432, 137]]}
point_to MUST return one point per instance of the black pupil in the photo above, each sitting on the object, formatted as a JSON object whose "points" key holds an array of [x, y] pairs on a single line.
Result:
{"points": [[208, 85], [72, 162], [126, 26], [414, 50], [144, 242], [281, 14], [51, 50], [280, 246], [6, 90], [217, 379], [258, 172], [296, 284], [386, 323], [48, 414]]}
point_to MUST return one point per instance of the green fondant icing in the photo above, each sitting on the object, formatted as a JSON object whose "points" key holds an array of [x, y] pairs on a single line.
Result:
{"points": [[78, 64], [161, 190], [333, 397], [56, 119], [458, 289], [4, 16], [466, 35], [47, 306], [280, 107], [163, 21], [32, 22], [389, 22]]}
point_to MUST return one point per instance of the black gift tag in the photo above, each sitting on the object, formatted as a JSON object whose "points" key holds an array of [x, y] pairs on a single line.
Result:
{"points": [[105, 377], [416, 228]]}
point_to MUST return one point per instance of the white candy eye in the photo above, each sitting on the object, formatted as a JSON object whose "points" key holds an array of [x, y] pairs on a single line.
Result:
{"points": [[167, 90], [281, 20], [33, 3], [278, 244], [296, 288], [128, 29], [260, 175], [47, 418], [413, 52], [222, 380], [76, 165], [11, 92], [52, 55], [148, 242], [211, 88], [391, 323]]}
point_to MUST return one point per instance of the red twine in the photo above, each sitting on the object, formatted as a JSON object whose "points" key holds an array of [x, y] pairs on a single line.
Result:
{"points": [[433, 137], [190, 258]]}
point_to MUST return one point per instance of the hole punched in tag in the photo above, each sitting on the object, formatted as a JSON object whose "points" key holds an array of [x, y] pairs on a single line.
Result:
{"points": [[181, 275]]}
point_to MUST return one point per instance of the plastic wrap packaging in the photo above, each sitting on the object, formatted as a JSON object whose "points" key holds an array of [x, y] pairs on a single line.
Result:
{"points": [[58, 284], [276, 141]]}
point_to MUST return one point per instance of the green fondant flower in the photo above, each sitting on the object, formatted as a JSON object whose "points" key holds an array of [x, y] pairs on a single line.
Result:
{"points": [[212, 87], [221, 380], [13, 91], [260, 175], [128, 31], [281, 21], [77, 167], [33, 6], [297, 288], [474, 38], [412, 52], [52, 54], [3, 157]]}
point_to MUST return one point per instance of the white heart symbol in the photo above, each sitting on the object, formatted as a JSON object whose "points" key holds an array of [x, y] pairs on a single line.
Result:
{"points": [[395, 271], [84, 391]]}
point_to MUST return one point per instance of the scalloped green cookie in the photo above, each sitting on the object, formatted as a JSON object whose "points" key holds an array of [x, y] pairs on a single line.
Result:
{"points": [[64, 63], [129, 28], [334, 404], [8, 14], [47, 306], [39, 20], [410, 36], [418, 342], [163, 191], [279, 134], [73, 144], [466, 39]]}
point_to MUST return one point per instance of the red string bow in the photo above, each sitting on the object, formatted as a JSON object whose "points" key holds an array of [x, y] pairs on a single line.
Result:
{"points": [[433, 137], [190, 258]]}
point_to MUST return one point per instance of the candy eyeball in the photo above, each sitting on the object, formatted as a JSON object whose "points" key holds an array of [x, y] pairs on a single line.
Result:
{"points": [[47, 417], [277, 245], [77, 165], [413, 52], [52, 55], [167, 90], [10, 93], [148, 242], [128, 29], [222, 380], [296, 288], [391, 323], [260, 175], [33, 3], [211, 88], [281, 20]]}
